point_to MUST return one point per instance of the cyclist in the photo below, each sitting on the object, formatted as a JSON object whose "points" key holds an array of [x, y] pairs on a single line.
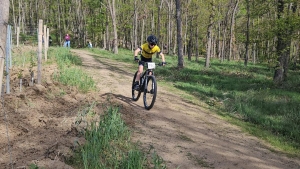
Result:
{"points": [[147, 50]]}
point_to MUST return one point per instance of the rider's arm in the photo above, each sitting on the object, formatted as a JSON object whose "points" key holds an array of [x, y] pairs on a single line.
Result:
{"points": [[136, 52], [162, 57]]}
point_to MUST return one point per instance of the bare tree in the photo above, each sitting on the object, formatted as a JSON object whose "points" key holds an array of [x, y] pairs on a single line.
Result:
{"points": [[232, 35], [158, 23], [247, 33], [179, 35], [209, 36], [170, 14], [112, 9], [4, 14], [135, 26], [283, 42]]}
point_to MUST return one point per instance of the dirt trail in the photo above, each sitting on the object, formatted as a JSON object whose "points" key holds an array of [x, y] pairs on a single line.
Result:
{"points": [[184, 135], [37, 124]]}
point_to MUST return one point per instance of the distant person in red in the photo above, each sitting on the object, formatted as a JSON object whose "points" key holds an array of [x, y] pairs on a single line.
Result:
{"points": [[67, 40]]}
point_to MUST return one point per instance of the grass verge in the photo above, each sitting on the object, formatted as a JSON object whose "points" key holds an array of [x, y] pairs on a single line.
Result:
{"points": [[108, 145], [70, 72]]}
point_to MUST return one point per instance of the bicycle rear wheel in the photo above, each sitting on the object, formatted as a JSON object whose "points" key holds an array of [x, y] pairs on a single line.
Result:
{"points": [[150, 92], [135, 93]]}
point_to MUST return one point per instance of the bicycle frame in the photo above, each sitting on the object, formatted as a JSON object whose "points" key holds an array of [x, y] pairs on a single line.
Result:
{"points": [[144, 77], [148, 86]]}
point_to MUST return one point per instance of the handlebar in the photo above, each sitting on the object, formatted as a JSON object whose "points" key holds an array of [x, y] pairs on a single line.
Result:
{"points": [[158, 64]]}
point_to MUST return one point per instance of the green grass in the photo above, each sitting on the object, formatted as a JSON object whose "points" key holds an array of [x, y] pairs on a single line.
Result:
{"points": [[70, 72], [108, 145], [246, 96], [21, 59]]}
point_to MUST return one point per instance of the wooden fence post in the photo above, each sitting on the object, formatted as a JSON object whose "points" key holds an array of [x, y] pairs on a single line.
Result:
{"points": [[40, 48]]}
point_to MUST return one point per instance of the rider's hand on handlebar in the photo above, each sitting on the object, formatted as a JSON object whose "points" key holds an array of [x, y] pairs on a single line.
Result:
{"points": [[136, 58]]}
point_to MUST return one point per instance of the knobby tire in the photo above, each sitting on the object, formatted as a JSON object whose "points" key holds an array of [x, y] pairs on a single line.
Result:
{"points": [[135, 93], [151, 84]]}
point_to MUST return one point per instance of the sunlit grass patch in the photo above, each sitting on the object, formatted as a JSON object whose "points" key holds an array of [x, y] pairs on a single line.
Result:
{"points": [[108, 145], [69, 73]]}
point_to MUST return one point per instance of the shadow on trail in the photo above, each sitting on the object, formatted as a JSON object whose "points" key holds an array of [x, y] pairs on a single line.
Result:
{"points": [[123, 99]]}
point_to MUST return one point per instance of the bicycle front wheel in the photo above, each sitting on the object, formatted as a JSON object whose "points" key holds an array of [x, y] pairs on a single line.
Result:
{"points": [[150, 92], [135, 93]]}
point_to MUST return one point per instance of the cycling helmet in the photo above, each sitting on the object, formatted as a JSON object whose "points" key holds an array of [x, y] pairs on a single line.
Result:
{"points": [[152, 39]]}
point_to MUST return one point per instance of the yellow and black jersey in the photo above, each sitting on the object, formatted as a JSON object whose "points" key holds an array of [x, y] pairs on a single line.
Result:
{"points": [[147, 52]]}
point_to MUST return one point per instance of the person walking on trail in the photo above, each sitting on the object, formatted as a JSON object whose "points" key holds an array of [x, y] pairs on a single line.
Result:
{"points": [[67, 40], [147, 50], [90, 44]]}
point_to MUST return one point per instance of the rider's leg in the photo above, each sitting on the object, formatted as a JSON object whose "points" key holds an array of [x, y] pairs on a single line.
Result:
{"points": [[138, 77], [140, 70]]}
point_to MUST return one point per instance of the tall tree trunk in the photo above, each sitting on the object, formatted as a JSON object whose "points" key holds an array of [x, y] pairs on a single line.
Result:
{"points": [[231, 43], [175, 45], [213, 49], [4, 15], [143, 29], [107, 33], [158, 23], [209, 36], [223, 51], [179, 35], [59, 23], [283, 45], [189, 46], [112, 9], [254, 53], [197, 44], [135, 26], [247, 34], [13, 15], [185, 36], [219, 40], [170, 5]]}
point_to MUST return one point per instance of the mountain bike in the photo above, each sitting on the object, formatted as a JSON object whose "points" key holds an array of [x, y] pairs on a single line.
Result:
{"points": [[148, 85]]}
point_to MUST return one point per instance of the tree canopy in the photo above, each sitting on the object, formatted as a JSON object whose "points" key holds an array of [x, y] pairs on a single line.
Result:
{"points": [[255, 31]]}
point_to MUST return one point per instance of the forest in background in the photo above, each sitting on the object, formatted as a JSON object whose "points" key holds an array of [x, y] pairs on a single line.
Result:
{"points": [[249, 30]]}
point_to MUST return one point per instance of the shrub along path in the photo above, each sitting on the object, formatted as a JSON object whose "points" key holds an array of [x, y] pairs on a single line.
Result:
{"points": [[185, 135]]}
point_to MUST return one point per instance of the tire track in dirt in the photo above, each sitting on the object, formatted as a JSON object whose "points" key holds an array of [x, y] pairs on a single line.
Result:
{"points": [[183, 134]]}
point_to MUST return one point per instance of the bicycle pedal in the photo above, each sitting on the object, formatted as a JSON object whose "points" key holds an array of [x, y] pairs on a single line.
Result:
{"points": [[137, 87]]}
